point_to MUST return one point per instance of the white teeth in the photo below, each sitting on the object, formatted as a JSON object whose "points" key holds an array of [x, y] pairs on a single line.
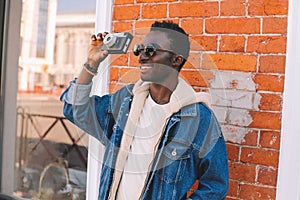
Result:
{"points": [[145, 67]]}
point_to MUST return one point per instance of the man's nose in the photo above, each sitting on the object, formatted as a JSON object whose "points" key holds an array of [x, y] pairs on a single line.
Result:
{"points": [[143, 57]]}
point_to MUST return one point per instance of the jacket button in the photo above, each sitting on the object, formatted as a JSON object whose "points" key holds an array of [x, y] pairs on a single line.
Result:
{"points": [[174, 153]]}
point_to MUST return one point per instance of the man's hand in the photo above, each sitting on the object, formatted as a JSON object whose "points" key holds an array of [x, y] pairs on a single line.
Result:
{"points": [[95, 54]]}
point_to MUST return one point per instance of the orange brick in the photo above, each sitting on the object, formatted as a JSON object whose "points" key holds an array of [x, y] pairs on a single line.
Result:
{"points": [[134, 60], [267, 176], [233, 8], [242, 172], [193, 61], [267, 7], [144, 23], [143, 27], [113, 87], [114, 74], [272, 64], [192, 26], [193, 9], [120, 26], [116, 2], [270, 139], [119, 59], [152, 1], [129, 75], [232, 44], [233, 152], [126, 12], [274, 25], [265, 120], [251, 192], [137, 39], [232, 25], [250, 138], [272, 102], [267, 82], [240, 62], [203, 43], [259, 156], [197, 78], [230, 198], [266, 44], [233, 188], [154, 11]]}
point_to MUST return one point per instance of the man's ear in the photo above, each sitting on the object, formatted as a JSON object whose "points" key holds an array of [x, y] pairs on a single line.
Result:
{"points": [[177, 61]]}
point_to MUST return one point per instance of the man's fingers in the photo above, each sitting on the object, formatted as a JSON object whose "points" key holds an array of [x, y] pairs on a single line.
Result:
{"points": [[99, 36], [93, 37], [104, 34]]}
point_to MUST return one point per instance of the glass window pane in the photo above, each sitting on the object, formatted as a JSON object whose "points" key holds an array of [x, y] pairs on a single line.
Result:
{"points": [[51, 160]]}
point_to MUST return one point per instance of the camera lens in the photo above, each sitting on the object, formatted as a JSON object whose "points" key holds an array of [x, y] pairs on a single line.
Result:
{"points": [[110, 40]]}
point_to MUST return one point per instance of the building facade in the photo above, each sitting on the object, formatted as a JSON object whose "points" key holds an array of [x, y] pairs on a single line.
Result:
{"points": [[37, 43], [72, 37], [53, 45]]}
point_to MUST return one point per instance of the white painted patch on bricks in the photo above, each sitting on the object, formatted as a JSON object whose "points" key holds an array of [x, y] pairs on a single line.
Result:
{"points": [[233, 80], [234, 134]]}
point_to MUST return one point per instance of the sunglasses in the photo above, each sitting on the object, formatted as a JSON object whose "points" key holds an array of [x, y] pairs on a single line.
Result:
{"points": [[148, 49]]}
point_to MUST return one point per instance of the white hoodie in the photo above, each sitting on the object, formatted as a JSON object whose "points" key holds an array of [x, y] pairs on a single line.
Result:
{"points": [[183, 95]]}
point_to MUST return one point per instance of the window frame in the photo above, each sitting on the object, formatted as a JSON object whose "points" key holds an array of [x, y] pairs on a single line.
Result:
{"points": [[100, 86], [288, 184], [9, 68]]}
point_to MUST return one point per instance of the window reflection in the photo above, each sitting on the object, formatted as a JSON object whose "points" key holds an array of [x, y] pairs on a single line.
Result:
{"points": [[51, 160], [42, 28]]}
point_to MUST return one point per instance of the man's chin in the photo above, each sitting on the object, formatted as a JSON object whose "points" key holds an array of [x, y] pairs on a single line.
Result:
{"points": [[145, 79]]}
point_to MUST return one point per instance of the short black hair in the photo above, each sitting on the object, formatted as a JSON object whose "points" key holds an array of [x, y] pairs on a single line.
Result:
{"points": [[180, 43]]}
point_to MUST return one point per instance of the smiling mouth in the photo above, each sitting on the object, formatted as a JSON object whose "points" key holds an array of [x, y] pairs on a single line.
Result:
{"points": [[145, 67]]}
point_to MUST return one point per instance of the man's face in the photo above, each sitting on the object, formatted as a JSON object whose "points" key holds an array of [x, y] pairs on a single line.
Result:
{"points": [[158, 67]]}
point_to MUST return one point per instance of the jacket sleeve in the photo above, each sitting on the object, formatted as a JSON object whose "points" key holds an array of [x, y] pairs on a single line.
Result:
{"points": [[213, 167], [91, 114]]}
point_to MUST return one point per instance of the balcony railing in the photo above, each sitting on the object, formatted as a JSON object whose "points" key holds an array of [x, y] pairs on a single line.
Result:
{"points": [[37, 154]]}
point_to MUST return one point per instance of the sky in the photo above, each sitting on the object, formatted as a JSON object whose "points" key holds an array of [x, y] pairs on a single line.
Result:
{"points": [[76, 5]]}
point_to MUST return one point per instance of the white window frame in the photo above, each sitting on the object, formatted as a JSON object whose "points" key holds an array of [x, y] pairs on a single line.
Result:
{"points": [[100, 86], [288, 184], [10, 62], [10, 58]]}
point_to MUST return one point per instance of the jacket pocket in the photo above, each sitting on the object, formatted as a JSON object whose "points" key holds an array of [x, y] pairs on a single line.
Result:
{"points": [[173, 161]]}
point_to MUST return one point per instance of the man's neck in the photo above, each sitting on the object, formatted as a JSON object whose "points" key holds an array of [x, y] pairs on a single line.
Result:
{"points": [[162, 94]]}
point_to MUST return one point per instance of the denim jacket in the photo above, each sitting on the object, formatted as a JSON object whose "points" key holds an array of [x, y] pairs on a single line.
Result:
{"points": [[192, 146]]}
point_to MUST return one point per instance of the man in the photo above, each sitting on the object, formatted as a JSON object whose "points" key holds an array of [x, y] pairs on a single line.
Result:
{"points": [[160, 136]]}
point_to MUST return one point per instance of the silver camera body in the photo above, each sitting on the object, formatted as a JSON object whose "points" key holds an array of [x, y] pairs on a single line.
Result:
{"points": [[117, 43]]}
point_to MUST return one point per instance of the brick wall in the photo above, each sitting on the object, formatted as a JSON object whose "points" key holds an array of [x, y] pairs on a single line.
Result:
{"points": [[238, 55]]}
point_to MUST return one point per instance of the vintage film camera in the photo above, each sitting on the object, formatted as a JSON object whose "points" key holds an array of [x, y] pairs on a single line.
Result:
{"points": [[117, 43]]}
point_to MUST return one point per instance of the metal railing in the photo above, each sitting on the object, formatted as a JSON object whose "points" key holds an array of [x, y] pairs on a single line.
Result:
{"points": [[25, 120]]}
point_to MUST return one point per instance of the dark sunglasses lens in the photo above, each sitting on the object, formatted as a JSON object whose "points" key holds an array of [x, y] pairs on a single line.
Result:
{"points": [[137, 49], [149, 51]]}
